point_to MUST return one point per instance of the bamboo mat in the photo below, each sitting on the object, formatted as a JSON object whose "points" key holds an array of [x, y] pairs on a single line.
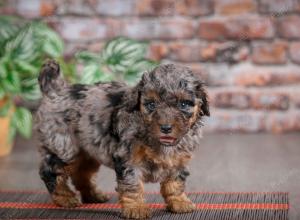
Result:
{"points": [[210, 206]]}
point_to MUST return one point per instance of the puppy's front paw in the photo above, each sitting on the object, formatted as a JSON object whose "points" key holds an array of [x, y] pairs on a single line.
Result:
{"points": [[66, 201], [101, 197], [136, 212], [181, 206]]}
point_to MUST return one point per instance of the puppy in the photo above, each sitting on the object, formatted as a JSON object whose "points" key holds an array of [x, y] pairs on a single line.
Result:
{"points": [[145, 134]]}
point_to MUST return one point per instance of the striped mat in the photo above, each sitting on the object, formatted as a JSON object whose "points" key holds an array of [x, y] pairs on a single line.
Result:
{"points": [[210, 206]]}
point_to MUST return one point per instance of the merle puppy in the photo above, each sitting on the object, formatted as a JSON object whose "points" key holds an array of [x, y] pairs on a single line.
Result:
{"points": [[146, 134]]}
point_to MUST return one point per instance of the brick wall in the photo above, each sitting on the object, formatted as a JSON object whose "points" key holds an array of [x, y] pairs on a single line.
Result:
{"points": [[247, 51]]}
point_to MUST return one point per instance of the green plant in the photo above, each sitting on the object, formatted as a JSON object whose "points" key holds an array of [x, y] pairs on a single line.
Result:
{"points": [[24, 46], [121, 59]]}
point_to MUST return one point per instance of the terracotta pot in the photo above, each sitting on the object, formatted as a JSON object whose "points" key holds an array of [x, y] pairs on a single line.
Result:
{"points": [[5, 144]]}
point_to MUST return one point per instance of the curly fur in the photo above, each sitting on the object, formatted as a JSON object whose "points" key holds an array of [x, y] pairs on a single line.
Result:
{"points": [[81, 127]]}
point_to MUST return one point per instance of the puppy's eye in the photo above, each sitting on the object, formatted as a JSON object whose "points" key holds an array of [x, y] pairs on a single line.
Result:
{"points": [[184, 104], [150, 106]]}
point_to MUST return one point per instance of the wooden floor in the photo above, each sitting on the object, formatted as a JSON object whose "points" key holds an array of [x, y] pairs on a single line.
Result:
{"points": [[223, 162]]}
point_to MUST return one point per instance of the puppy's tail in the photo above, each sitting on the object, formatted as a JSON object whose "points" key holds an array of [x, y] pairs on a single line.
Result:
{"points": [[50, 79]]}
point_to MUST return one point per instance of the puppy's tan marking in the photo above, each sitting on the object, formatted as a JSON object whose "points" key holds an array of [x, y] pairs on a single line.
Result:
{"points": [[83, 179], [142, 153], [195, 116], [64, 195], [174, 196], [133, 204]]}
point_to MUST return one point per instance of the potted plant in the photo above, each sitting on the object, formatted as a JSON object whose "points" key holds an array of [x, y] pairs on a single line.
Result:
{"points": [[24, 46]]}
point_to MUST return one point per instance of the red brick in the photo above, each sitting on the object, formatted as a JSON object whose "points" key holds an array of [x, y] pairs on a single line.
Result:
{"points": [[75, 7], [230, 52], [278, 7], [235, 121], [269, 53], [228, 7], [85, 29], [288, 27], [31, 10], [157, 50], [95, 46], [199, 70], [294, 52], [97, 7], [270, 100], [250, 28], [115, 7], [295, 97], [185, 52], [171, 7], [213, 29], [163, 29], [267, 76], [230, 98], [220, 74], [242, 28], [36, 8], [193, 51], [7, 7], [194, 7], [155, 7], [246, 99], [47, 8], [252, 121], [283, 122], [72, 47]]}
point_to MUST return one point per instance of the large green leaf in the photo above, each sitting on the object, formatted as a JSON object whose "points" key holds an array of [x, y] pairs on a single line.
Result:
{"points": [[87, 57], [3, 68], [92, 74], [10, 26], [53, 45], [121, 53], [12, 82], [2, 92], [121, 59], [25, 67], [30, 89], [24, 46], [89, 74], [22, 121], [143, 65]]}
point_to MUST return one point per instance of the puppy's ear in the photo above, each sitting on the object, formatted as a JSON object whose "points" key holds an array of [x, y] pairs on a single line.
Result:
{"points": [[202, 95], [132, 100], [133, 97]]}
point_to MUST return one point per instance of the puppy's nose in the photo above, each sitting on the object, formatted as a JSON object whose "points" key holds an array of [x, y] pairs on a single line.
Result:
{"points": [[166, 129]]}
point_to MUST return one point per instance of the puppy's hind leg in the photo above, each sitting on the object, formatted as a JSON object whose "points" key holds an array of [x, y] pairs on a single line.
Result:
{"points": [[83, 179], [56, 175]]}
